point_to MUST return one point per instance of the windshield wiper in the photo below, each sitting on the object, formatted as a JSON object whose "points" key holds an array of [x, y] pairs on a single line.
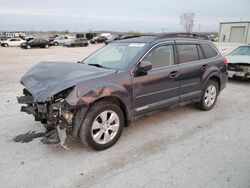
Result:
{"points": [[98, 65]]}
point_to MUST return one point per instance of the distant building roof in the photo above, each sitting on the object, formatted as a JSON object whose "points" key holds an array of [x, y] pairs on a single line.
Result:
{"points": [[234, 22]]}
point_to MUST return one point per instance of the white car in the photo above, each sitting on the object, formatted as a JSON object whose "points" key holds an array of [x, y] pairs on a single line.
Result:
{"points": [[62, 39], [12, 42], [239, 62], [107, 35]]}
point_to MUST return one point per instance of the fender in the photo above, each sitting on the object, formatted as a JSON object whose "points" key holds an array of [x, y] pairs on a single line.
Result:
{"points": [[81, 100], [214, 73]]}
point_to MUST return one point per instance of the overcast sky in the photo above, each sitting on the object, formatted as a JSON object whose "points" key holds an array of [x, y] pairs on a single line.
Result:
{"points": [[118, 15]]}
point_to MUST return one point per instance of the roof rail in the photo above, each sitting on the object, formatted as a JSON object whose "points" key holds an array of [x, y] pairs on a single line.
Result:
{"points": [[182, 35]]}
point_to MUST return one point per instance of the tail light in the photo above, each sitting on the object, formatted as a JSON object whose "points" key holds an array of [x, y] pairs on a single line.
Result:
{"points": [[225, 60]]}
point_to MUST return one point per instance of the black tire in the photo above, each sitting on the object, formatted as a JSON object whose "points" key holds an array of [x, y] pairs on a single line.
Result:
{"points": [[6, 45], [93, 113], [46, 46], [28, 47], [203, 105], [56, 43]]}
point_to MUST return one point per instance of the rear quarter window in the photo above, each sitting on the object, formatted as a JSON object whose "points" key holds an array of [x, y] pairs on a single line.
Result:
{"points": [[208, 50]]}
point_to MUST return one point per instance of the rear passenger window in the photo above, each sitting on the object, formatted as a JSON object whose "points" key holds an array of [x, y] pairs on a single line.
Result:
{"points": [[187, 53], [208, 50]]}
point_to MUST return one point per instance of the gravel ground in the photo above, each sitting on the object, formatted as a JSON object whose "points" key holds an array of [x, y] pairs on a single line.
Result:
{"points": [[182, 147]]}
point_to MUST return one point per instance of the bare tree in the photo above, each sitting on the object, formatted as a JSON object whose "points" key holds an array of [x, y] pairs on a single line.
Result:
{"points": [[187, 21]]}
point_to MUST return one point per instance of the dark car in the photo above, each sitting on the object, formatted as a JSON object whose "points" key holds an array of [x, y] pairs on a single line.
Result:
{"points": [[95, 98], [100, 39], [77, 42], [36, 43]]}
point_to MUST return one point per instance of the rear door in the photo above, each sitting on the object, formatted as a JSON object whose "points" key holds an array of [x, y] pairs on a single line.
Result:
{"points": [[160, 86], [192, 69]]}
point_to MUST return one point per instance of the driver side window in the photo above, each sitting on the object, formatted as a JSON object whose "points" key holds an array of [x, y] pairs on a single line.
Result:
{"points": [[161, 56]]}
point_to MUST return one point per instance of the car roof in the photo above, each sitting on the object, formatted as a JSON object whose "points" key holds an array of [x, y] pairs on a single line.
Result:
{"points": [[165, 37]]}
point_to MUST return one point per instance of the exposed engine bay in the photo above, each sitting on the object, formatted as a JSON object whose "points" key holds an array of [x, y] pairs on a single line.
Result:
{"points": [[239, 70], [55, 114]]}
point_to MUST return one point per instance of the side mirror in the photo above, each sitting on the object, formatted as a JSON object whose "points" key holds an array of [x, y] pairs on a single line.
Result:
{"points": [[145, 66]]}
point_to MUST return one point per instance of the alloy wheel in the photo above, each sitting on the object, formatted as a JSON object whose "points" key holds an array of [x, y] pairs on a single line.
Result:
{"points": [[210, 95], [105, 127]]}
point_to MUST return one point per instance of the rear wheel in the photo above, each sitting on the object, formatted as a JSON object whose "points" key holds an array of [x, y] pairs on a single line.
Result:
{"points": [[28, 47], [102, 125], [46, 46], [6, 45], [56, 43], [209, 95]]}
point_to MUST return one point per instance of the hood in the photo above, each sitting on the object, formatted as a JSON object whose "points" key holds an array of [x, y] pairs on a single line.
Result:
{"points": [[238, 59], [48, 78]]}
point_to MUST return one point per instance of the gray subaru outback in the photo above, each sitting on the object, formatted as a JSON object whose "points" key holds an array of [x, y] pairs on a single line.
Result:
{"points": [[95, 98]]}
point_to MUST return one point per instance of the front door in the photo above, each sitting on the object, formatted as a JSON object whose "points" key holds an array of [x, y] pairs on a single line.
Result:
{"points": [[160, 86]]}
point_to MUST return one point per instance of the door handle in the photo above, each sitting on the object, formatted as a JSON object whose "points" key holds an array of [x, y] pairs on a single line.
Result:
{"points": [[204, 67], [174, 74]]}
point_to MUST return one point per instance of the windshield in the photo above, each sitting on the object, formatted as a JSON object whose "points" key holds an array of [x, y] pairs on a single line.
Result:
{"points": [[243, 50], [115, 56]]}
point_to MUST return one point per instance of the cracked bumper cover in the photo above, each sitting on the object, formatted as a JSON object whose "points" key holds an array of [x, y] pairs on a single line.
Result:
{"points": [[57, 115]]}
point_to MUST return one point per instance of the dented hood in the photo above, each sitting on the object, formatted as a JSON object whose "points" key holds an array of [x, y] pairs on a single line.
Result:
{"points": [[48, 78]]}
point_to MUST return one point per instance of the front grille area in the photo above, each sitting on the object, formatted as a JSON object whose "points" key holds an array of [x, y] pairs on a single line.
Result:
{"points": [[236, 68]]}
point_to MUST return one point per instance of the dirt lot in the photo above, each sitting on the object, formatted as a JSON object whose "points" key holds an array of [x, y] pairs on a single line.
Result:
{"points": [[182, 147]]}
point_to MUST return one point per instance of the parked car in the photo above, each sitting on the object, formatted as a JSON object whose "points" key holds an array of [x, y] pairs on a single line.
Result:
{"points": [[239, 62], [27, 39], [36, 43], [95, 98], [77, 42], [107, 35], [120, 37], [52, 37], [100, 39], [61, 40], [12, 42]]}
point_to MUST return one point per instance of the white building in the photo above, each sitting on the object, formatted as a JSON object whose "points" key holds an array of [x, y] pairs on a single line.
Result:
{"points": [[237, 32]]}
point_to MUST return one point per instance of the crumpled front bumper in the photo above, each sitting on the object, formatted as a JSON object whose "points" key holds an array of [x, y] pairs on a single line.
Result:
{"points": [[56, 116], [232, 74]]}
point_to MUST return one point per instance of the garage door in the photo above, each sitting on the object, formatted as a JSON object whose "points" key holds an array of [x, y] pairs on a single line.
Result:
{"points": [[237, 34]]}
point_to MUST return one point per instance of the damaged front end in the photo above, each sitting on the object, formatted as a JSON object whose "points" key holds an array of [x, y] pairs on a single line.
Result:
{"points": [[240, 70], [55, 113]]}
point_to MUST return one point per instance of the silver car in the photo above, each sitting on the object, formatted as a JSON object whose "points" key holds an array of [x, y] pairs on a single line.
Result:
{"points": [[239, 62]]}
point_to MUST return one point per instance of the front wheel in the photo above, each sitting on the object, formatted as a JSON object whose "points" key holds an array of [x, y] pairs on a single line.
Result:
{"points": [[102, 125], [46, 46], [209, 96]]}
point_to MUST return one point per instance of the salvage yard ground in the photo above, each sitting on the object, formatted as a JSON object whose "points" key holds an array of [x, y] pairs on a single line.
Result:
{"points": [[182, 147]]}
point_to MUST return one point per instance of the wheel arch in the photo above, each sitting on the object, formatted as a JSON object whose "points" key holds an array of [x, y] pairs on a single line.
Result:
{"points": [[81, 112], [213, 76]]}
